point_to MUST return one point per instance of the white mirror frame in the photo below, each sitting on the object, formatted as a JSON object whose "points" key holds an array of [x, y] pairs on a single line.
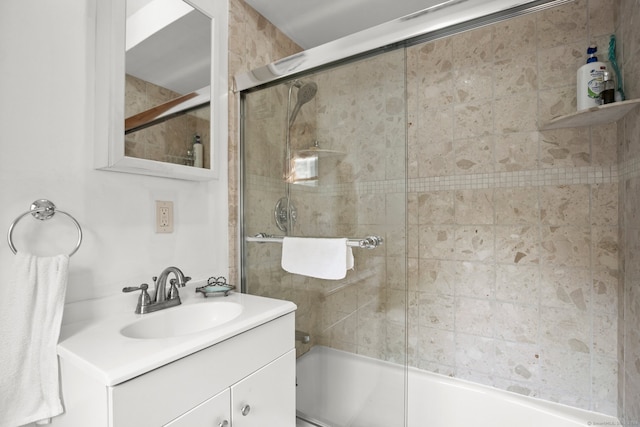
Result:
{"points": [[109, 94]]}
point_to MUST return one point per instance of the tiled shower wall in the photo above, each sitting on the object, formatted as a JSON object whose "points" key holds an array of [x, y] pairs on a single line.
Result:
{"points": [[168, 141], [253, 42], [628, 32], [513, 251], [512, 231]]}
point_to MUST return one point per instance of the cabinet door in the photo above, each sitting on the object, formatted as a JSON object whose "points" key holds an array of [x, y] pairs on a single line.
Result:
{"points": [[268, 396], [213, 412]]}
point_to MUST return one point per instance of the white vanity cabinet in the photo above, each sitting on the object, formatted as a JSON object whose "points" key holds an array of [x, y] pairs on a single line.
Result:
{"points": [[215, 412], [247, 380]]}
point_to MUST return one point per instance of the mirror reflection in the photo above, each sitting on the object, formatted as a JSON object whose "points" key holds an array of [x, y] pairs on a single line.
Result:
{"points": [[167, 83]]}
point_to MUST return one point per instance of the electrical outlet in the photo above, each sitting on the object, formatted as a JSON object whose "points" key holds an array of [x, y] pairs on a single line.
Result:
{"points": [[164, 217]]}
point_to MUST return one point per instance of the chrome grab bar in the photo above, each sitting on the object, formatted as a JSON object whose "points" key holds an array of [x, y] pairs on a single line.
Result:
{"points": [[369, 242]]}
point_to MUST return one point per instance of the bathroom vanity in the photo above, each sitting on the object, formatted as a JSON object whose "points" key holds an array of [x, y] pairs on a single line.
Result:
{"points": [[237, 372]]}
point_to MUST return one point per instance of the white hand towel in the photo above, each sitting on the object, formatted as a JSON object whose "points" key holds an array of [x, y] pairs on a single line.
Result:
{"points": [[30, 317], [320, 258]]}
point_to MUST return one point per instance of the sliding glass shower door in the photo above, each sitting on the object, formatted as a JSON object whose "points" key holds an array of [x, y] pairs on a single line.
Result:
{"points": [[324, 155]]}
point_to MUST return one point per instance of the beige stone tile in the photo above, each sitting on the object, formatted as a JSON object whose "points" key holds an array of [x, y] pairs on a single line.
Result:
{"points": [[516, 205], [517, 361], [413, 241], [474, 316], [605, 385], [558, 65], [605, 291], [605, 247], [436, 345], [515, 37], [474, 243], [435, 56], [604, 204], [436, 89], [601, 17], [565, 376], [517, 283], [436, 241], [436, 158], [564, 205], [437, 277], [516, 113], [565, 288], [516, 75], [565, 246], [474, 353], [563, 24], [436, 311], [400, 304], [565, 330], [395, 347], [473, 119], [434, 147], [436, 207], [412, 208], [565, 148], [473, 47], [369, 209], [474, 206], [474, 155], [514, 322], [474, 279], [517, 245], [556, 102], [604, 145], [516, 151], [473, 84], [397, 271], [605, 343]]}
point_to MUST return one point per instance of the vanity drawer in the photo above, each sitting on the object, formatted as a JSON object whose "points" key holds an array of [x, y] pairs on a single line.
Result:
{"points": [[163, 394]]}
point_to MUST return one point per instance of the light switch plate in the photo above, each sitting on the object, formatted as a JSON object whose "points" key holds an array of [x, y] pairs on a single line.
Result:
{"points": [[164, 217]]}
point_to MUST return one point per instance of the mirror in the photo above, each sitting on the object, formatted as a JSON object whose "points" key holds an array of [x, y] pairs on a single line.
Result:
{"points": [[163, 108]]}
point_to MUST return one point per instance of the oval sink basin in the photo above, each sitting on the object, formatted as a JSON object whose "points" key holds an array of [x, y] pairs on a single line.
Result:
{"points": [[182, 320]]}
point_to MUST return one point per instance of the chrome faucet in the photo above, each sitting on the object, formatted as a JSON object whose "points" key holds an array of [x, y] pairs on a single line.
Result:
{"points": [[162, 299], [161, 284]]}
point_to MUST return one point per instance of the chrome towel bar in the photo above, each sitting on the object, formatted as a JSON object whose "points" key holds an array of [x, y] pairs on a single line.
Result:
{"points": [[369, 242], [43, 209]]}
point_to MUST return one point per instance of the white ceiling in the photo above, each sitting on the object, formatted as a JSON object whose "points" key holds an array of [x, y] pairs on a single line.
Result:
{"points": [[311, 23]]}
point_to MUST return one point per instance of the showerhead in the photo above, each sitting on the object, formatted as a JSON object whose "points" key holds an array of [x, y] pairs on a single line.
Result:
{"points": [[306, 92]]}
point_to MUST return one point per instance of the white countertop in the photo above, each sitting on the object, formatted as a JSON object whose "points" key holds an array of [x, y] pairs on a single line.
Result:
{"points": [[97, 347]]}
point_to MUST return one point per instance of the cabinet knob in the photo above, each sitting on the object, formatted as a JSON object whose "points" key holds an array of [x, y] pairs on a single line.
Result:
{"points": [[245, 410], [225, 423]]}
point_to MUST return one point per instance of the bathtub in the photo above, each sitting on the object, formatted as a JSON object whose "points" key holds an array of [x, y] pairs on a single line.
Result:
{"points": [[339, 389]]}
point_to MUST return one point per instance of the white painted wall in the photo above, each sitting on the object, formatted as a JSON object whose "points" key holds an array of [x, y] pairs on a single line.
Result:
{"points": [[46, 141]]}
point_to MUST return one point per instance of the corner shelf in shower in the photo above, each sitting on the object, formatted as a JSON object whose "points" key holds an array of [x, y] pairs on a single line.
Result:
{"points": [[320, 152], [599, 115]]}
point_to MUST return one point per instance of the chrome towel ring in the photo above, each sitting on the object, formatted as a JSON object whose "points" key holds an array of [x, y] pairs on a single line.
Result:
{"points": [[43, 209]]}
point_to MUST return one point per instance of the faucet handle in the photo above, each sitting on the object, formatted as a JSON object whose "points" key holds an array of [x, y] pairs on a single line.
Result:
{"points": [[174, 282], [144, 300], [142, 288]]}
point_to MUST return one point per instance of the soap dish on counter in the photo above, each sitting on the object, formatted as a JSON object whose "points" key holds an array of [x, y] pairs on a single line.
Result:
{"points": [[216, 286]]}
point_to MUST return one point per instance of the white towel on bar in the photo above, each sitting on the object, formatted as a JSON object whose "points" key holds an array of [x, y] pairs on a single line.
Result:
{"points": [[30, 317], [317, 257]]}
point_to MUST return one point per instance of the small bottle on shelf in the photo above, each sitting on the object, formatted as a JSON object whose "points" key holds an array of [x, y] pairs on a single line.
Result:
{"points": [[197, 152], [608, 93]]}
